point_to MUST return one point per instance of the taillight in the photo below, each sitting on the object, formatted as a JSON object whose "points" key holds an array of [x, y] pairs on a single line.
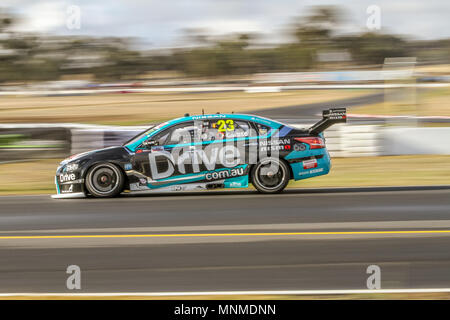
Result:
{"points": [[314, 142]]}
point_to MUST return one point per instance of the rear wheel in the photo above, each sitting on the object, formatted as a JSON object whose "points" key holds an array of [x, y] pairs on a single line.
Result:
{"points": [[104, 180], [270, 175]]}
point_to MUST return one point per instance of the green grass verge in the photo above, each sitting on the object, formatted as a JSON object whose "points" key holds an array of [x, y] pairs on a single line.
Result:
{"points": [[145, 108], [430, 102], [383, 171]]}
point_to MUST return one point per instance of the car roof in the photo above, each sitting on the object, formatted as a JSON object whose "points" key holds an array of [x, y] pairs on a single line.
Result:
{"points": [[248, 117]]}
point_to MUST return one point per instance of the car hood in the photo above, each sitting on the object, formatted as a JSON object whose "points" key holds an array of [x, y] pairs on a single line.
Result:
{"points": [[90, 153]]}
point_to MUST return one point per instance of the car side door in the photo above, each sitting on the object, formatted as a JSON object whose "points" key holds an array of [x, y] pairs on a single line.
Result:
{"points": [[166, 154], [224, 143]]}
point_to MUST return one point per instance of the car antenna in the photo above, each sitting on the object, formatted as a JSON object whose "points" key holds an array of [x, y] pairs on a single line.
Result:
{"points": [[203, 111]]}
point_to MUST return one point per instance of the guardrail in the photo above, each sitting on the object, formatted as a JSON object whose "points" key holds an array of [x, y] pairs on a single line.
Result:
{"points": [[203, 89]]}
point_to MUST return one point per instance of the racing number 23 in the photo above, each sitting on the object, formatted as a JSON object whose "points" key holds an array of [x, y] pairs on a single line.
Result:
{"points": [[225, 125]]}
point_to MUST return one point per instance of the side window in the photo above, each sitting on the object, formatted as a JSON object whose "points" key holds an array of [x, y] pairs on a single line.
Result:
{"points": [[262, 129], [161, 137], [224, 129], [183, 133], [213, 130], [241, 129]]}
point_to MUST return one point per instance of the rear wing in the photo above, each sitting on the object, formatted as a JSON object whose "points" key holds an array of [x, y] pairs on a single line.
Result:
{"points": [[329, 117]]}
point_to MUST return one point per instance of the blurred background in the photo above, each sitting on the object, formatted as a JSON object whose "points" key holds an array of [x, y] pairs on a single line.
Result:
{"points": [[77, 75]]}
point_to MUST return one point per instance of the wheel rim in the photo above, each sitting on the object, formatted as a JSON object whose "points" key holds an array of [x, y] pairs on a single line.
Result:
{"points": [[270, 174], [104, 180]]}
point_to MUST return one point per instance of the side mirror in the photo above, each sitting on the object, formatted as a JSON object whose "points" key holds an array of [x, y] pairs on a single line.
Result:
{"points": [[149, 143]]}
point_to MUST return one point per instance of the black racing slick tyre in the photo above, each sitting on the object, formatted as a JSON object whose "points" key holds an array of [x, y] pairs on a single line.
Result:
{"points": [[270, 175], [104, 180]]}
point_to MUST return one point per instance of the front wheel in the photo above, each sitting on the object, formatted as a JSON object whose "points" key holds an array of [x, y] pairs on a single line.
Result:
{"points": [[104, 180], [270, 175]]}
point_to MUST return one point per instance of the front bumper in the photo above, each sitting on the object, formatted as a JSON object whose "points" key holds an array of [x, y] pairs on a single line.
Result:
{"points": [[68, 184], [69, 195]]}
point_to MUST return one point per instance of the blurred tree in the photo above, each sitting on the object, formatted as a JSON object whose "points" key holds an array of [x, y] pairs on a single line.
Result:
{"points": [[120, 64], [373, 48], [32, 57], [318, 26]]}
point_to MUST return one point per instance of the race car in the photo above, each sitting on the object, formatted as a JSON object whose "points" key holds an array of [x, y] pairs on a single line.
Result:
{"points": [[202, 152]]}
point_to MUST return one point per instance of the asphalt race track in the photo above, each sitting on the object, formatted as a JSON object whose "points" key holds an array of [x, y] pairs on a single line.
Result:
{"points": [[311, 110], [217, 241]]}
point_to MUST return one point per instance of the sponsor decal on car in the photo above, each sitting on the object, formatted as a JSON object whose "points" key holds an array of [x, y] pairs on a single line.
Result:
{"points": [[68, 190], [272, 148], [67, 177], [311, 171], [72, 167], [224, 174], [235, 184], [213, 116], [227, 155], [275, 144], [299, 147], [309, 164]]}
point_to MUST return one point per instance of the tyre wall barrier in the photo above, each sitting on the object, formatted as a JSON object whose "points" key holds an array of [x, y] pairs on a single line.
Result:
{"points": [[405, 141], [22, 142], [26, 142]]}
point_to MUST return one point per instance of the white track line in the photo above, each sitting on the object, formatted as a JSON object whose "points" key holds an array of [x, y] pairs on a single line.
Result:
{"points": [[353, 115], [228, 293], [225, 88], [328, 226]]}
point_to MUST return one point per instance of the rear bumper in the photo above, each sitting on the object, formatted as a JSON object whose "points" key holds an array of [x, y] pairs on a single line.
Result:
{"points": [[316, 166]]}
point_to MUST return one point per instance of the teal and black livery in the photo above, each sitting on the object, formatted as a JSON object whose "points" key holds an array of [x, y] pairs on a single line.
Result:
{"points": [[202, 152]]}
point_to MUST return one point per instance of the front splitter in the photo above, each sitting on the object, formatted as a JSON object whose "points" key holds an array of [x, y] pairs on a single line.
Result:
{"points": [[69, 195]]}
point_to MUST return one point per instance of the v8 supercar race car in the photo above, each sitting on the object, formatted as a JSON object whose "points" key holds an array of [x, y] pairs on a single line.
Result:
{"points": [[202, 152]]}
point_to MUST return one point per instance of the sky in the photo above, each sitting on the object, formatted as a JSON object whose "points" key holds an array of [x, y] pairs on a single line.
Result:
{"points": [[160, 24]]}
